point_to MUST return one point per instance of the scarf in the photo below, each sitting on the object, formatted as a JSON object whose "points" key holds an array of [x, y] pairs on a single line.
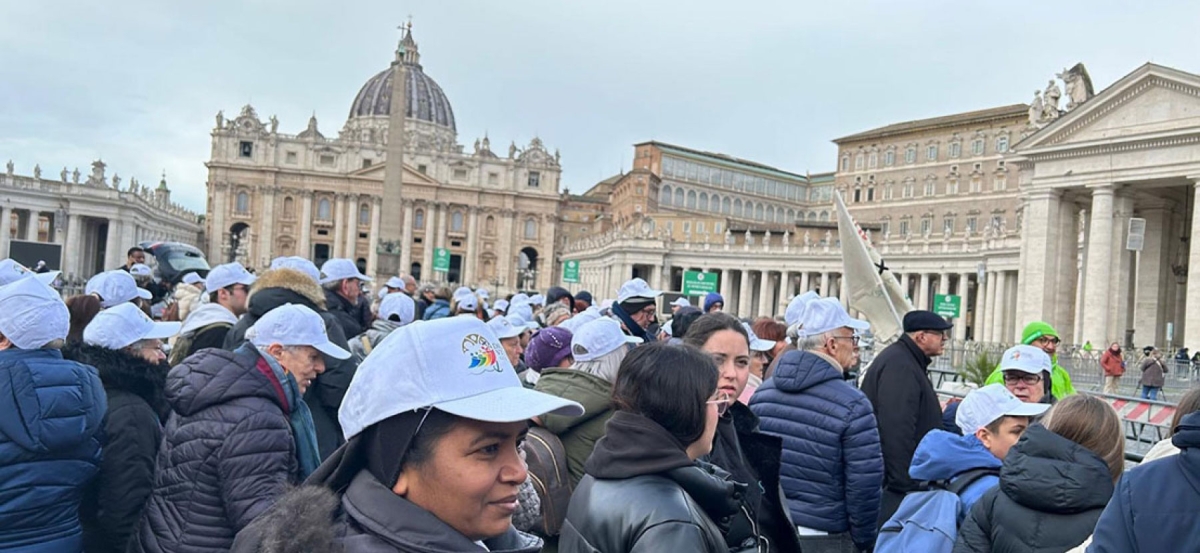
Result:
{"points": [[304, 432], [633, 328]]}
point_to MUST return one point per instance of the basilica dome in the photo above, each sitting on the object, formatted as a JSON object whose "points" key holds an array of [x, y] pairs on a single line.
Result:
{"points": [[426, 101]]}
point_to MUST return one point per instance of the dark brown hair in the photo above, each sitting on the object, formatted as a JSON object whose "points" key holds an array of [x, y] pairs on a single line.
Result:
{"points": [[711, 323], [769, 329], [668, 384], [82, 309]]}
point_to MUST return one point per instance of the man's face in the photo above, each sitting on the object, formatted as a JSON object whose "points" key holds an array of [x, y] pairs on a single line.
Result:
{"points": [[136, 257], [513, 348], [716, 307], [351, 289], [304, 363], [644, 317], [1028, 388], [1007, 434], [932, 342], [235, 298], [843, 347], [410, 286], [1048, 344]]}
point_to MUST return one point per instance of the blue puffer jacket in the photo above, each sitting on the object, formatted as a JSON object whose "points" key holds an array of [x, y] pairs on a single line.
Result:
{"points": [[942, 456], [832, 469], [51, 414], [1156, 505]]}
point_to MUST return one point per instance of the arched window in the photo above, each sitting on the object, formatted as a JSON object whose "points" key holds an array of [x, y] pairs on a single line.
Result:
{"points": [[812, 215], [770, 213], [456, 221], [691, 199], [243, 203], [678, 197], [419, 219], [324, 210], [490, 225], [800, 217], [791, 216], [737, 207], [289, 208], [364, 214], [714, 203], [664, 195], [824, 216], [726, 206], [530, 229], [703, 206], [758, 211]]}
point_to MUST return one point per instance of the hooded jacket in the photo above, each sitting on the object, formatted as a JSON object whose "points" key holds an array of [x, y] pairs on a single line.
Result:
{"points": [[943, 455], [1051, 493], [137, 403], [578, 434], [206, 327], [1060, 379], [379, 330], [643, 494], [832, 468], [1155, 505], [324, 396], [51, 411], [188, 298], [906, 407], [227, 454]]}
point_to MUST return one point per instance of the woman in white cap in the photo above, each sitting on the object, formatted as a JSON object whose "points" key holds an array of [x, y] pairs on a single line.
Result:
{"points": [[238, 433], [126, 347], [51, 411], [434, 422]]}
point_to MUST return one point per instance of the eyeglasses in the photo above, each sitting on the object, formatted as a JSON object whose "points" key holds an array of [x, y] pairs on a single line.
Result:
{"points": [[853, 339], [154, 346], [1013, 378], [1048, 340], [722, 402]]}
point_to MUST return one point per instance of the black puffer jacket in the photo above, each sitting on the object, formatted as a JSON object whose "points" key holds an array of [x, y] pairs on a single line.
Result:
{"points": [[227, 454], [643, 494], [1051, 493], [355, 317], [324, 396], [113, 500]]}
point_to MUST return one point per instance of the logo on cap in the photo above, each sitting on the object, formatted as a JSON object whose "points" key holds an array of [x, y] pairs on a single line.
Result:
{"points": [[483, 355]]}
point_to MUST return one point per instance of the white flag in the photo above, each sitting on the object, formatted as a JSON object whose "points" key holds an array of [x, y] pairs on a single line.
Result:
{"points": [[871, 288]]}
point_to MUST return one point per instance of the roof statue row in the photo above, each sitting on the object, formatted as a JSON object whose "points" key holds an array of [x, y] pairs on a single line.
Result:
{"points": [[1044, 107]]}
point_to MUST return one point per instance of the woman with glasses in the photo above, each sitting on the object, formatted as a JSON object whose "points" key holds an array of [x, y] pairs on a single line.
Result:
{"points": [[645, 489], [1026, 373], [1044, 337], [125, 346], [750, 456]]}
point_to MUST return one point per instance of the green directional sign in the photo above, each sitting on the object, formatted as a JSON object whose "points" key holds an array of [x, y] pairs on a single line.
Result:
{"points": [[441, 260], [947, 305], [570, 271], [697, 283]]}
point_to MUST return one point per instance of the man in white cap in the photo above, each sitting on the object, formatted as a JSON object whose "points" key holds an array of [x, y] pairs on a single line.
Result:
{"points": [[679, 302], [395, 311], [51, 414], [114, 288], [126, 348], [635, 308], [298, 263], [464, 302], [500, 308], [433, 456], [208, 325], [833, 465], [343, 295], [239, 433]]}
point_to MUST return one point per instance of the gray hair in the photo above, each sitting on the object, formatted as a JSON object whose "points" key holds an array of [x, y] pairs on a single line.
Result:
{"points": [[605, 366], [812, 343]]}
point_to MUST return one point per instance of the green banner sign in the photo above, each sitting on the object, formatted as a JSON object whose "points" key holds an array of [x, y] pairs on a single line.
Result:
{"points": [[696, 283], [441, 260], [947, 305], [570, 271]]}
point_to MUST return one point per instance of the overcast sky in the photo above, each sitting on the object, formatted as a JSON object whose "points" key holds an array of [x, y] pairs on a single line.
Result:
{"points": [[138, 82]]}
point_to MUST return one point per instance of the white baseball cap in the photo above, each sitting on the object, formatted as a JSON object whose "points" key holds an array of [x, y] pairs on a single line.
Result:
{"points": [[636, 288], [467, 301], [1025, 359], [228, 274], [598, 338], [400, 305], [826, 314], [580, 319], [395, 282], [299, 264], [795, 309], [193, 278], [123, 325], [294, 325], [519, 297], [756, 343], [114, 288], [32, 314], [520, 322], [681, 302], [11, 271], [984, 406], [483, 294], [341, 269], [504, 328], [537, 299], [522, 310], [501, 305], [141, 270], [456, 365]]}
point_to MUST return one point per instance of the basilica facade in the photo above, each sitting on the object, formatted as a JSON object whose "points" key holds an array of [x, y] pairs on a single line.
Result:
{"points": [[275, 194]]}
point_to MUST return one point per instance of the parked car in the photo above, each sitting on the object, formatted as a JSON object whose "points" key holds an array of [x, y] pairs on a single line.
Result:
{"points": [[172, 260]]}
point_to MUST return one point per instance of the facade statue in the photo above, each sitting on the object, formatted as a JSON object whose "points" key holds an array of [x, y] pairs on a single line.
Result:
{"points": [[116, 181], [1078, 84], [828, 238], [512, 150], [75, 176], [1050, 101], [9, 168], [476, 146], [63, 175], [274, 124], [807, 239], [787, 238], [728, 237], [1035, 109], [37, 172], [220, 119]]}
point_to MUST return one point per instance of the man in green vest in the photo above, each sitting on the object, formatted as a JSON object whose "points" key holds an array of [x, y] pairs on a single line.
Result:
{"points": [[1043, 336]]}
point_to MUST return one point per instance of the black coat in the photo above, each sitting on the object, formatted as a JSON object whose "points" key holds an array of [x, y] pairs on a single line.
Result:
{"points": [[113, 500], [355, 318], [906, 407], [643, 494], [324, 396], [1051, 493], [227, 454]]}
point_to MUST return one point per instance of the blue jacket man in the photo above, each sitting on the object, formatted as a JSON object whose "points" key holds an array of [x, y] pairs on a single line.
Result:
{"points": [[1162, 496], [942, 456], [51, 414]]}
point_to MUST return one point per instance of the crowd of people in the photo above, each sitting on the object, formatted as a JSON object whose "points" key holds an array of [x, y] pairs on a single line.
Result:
{"points": [[315, 409]]}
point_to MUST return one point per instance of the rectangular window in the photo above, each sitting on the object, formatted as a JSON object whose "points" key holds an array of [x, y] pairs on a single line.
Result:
{"points": [[460, 174], [421, 169], [873, 160], [930, 188], [889, 158], [717, 228], [870, 194], [246, 148], [700, 227], [327, 160], [996, 219], [931, 153], [884, 227], [926, 225], [948, 225], [687, 226], [1002, 144], [977, 147], [972, 224], [999, 184], [904, 227], [910, 155], [670, 227], [493, 178], [366, 163], [857, 195], [955, 149], [535, 179], [975, 186], [845, 164], [290, 157]]}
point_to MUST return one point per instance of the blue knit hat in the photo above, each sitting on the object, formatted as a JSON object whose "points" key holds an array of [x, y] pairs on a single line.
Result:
{"points": [[713, 298]]}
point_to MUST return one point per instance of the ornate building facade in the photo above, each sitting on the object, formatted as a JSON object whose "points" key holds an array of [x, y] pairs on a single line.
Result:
{"points": [[273, 194]]}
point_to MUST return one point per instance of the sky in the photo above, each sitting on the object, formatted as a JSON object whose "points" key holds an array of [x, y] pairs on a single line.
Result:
{"points": [[137, 83]]}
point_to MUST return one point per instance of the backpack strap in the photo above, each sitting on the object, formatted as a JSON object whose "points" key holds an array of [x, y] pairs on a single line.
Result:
{"points": [[964, 479], [366, 342]]}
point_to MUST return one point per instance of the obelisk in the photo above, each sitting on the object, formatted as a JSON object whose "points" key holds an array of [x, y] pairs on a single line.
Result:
{"points": [[390, 224]]}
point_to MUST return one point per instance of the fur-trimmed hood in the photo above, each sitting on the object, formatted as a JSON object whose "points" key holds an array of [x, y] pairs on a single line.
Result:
{"points": [[287, 280], [124, 372]]}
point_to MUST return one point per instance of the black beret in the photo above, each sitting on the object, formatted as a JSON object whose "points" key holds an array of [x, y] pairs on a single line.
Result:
{"points": [[924, 320]]}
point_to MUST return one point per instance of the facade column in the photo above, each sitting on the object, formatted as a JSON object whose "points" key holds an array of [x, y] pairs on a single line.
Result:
{"points": [[373, 242], [31, 229], [428, 244], [747, 291], [470, 263], [785, 289], [904, 286], [803, 283], [989, 309], [923, 293], [351, 249], [266, 231], [765, 294], [443, 211], [1040, 258], [1099, 268], [5, 230], [1001, 305], [727, 286], [944, 284], [1120, 310], [406, 242], [1149, 318], [305, 248], [339, 227], [963, 291], [113, 253], [72, 257], [1063, 309], [825, 284], [1191, 325]]}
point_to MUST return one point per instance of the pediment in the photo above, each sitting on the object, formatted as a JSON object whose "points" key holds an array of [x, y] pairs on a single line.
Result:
{"points": [[411, 175], [1150, 101]]}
